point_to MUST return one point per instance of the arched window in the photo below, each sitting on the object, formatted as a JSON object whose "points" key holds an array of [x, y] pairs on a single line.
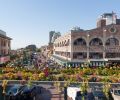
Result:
{"points": [[79, 41], [112, 41], [95, 42]]}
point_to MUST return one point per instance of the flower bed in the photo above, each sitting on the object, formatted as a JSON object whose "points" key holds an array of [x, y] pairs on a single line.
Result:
{"points": [[111, 74]]}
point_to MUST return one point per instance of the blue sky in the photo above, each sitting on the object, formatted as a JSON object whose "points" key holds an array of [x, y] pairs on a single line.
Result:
{"points": [[29, 21]]}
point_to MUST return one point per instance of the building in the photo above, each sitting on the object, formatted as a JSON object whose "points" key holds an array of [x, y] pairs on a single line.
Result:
{"points": [[47, 50], [44, 50], [53, 35], [97, 46], [5, 46], [107, 19]]}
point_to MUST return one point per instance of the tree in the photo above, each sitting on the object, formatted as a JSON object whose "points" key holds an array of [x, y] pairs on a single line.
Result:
{"points": [[39, 50], [31, 47]]}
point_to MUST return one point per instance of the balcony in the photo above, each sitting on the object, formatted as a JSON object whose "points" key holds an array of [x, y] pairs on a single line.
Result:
{"points": [[96, 48], [112, 49], [79, 48]]}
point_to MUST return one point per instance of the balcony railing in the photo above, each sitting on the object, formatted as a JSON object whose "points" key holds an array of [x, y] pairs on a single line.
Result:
{"points": [[112, 48], [80, 48], [50, 82], [96, 48]]}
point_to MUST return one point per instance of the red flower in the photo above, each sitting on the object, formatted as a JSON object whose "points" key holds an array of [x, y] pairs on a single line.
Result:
{"points": [[46, 72]]}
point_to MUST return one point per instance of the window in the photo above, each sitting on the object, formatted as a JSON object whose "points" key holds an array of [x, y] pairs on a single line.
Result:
{"points": [[96, 41], [112, 42], [79, 41]]}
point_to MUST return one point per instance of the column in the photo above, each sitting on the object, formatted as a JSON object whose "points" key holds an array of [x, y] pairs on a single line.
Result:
{"points": [[88, 48], [104, 40], [71, 46]]}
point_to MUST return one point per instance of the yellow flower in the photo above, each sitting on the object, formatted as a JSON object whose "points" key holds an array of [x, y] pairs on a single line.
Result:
{"points": [[41, 75]]}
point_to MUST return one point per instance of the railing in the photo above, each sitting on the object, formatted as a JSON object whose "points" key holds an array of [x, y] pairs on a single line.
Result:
{"points": [[96, 48], [91, 48], [80, 48], [50, 82], [62, 91], [112, 48]]}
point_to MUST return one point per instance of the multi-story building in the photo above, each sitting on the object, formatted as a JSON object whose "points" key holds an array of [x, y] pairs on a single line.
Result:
{"points": [[5, 46], [44, 50], [97, 46], [53, 35]]}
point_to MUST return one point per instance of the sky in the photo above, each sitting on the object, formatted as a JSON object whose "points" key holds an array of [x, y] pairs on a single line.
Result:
{"points": [[29, 21]]}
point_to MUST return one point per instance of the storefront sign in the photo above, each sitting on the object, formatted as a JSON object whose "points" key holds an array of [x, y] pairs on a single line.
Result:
{"points": [[4, 59]]}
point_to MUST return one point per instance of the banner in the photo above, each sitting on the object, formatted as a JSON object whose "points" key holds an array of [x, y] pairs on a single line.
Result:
{"points": [[4, 59]]}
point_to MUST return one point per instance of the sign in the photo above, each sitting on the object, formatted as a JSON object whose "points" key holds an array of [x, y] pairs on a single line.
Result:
{"points": [[4, 59]]}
